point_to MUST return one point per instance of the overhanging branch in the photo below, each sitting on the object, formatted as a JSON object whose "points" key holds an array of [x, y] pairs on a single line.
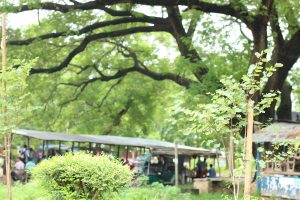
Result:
{"points": [[89, 28], [91, 38]]}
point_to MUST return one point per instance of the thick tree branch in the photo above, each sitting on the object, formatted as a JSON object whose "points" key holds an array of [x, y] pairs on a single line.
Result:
{"points": [[89, 28], [127, 52], [123, 72], [193, 25], [293, 45], [184, 42], [226, 9], [91, 38], [277, 33]]}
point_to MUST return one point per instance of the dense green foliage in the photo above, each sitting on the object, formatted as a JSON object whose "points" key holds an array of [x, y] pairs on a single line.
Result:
{"points": [[81, 176], [120, 83]]}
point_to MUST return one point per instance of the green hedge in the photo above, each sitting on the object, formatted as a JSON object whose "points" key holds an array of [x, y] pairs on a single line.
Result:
{"points": [[81, 176]]}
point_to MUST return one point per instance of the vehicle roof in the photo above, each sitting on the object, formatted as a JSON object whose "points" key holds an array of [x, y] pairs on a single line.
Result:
{"points": [[158, 146]]}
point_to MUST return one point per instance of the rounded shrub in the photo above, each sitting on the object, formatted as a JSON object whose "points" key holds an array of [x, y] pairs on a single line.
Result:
{"points": [[81, 176]]}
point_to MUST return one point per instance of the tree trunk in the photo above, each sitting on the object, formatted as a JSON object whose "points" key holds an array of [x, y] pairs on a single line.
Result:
{"points": [[7, 135], [248, 153], [284, 111]]}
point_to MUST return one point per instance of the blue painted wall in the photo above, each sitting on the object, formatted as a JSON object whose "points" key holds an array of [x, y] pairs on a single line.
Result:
{"points": [[281, 186]]}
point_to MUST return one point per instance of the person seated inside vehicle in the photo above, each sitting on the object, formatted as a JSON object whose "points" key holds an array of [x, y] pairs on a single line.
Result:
{"points": [[18, 171], [30, 164], [211, 172]]}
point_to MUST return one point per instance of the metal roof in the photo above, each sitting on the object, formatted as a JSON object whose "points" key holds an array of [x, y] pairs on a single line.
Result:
{"points": [[278, 132], [165, 147]]}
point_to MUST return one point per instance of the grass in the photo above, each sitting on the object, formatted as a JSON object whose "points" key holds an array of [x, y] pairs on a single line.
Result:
{"points": [[29, 191], [33, 191]]}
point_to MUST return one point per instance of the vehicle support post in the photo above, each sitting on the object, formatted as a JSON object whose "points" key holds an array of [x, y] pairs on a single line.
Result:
{"points": [[127, 150], [176, 165], [47, 147], [73, 146], [59, 147], [118, 153], [218, 162], [90, 147], [43, 154]]}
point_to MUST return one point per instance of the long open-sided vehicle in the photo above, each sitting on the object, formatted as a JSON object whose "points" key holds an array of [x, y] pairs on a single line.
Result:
{"points": [[156, 158]]}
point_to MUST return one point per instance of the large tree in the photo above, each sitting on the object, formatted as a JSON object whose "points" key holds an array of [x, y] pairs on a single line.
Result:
{"points": [[81, 34]]}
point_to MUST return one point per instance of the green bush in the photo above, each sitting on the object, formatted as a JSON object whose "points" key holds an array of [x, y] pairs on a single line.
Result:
{"points": [[81, 176]]}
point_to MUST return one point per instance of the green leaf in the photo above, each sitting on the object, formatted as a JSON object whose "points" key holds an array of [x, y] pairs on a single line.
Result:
{"points": [[268, 50], [278, 65]]}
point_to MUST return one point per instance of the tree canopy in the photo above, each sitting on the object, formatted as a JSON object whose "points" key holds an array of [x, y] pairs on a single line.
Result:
{"points": [[119, 67]]}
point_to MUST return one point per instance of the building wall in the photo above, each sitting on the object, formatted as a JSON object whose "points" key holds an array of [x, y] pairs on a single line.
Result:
{"points": [[281, 186]]}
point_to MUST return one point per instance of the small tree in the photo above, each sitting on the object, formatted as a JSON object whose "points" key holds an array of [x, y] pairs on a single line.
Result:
{"points": [[228, 114], [13, 101]]}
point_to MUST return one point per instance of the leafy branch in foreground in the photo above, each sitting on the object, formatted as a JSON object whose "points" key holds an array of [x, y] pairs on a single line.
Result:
{"points": [[226, 116]]}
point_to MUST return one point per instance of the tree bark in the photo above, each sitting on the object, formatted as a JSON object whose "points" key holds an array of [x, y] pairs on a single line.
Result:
{"points": [[284, 111], [7, 134], [248, 153]]}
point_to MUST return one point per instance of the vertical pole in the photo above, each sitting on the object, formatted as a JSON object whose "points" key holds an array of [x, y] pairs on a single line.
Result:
{"points": [[127, 150], [7, 134], [248, 153], [59, 147], [47, 147], [73, 146], [176, 164], [78, 146], [43, 154], [218, 162], [90, 147], [118, 153], [258, 179]]}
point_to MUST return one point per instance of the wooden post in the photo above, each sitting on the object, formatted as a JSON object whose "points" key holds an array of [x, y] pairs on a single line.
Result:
{"points": [[176, 165], [248, 153], [7, 134]]}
